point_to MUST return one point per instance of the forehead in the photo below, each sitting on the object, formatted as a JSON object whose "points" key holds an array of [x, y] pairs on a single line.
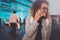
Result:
{"points": [[44, 5]]}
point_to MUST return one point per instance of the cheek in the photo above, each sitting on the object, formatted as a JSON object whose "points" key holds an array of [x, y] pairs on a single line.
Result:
{"points": [[42, 10]]}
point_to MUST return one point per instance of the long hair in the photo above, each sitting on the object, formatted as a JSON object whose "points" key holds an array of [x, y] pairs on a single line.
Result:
{"points": [[36, 5]]}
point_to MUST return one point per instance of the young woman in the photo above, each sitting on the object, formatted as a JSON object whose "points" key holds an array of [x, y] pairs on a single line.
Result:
{"points": [[38, 24]]}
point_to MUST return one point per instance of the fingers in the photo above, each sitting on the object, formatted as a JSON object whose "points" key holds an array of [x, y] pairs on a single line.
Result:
{"points": [[39, 13]]}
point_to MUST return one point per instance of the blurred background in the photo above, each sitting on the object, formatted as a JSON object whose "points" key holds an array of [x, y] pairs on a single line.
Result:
{"points": [[22, 8], [7, 7]]}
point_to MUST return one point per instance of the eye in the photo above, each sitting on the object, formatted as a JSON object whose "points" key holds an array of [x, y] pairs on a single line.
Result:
{"points": [[45, 8]]}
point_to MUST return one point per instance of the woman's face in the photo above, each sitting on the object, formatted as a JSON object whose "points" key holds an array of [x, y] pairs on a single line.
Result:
{"points": [[44, 8]]}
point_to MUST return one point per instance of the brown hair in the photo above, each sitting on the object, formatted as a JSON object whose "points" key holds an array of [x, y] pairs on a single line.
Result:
{"points": [[36, 5]]}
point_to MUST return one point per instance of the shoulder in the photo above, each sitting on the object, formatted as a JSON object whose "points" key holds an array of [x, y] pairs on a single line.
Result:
{"points": [[28, 18]]}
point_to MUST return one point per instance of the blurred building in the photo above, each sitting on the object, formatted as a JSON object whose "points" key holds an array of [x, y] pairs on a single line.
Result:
{"points": [[21, 6]]}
